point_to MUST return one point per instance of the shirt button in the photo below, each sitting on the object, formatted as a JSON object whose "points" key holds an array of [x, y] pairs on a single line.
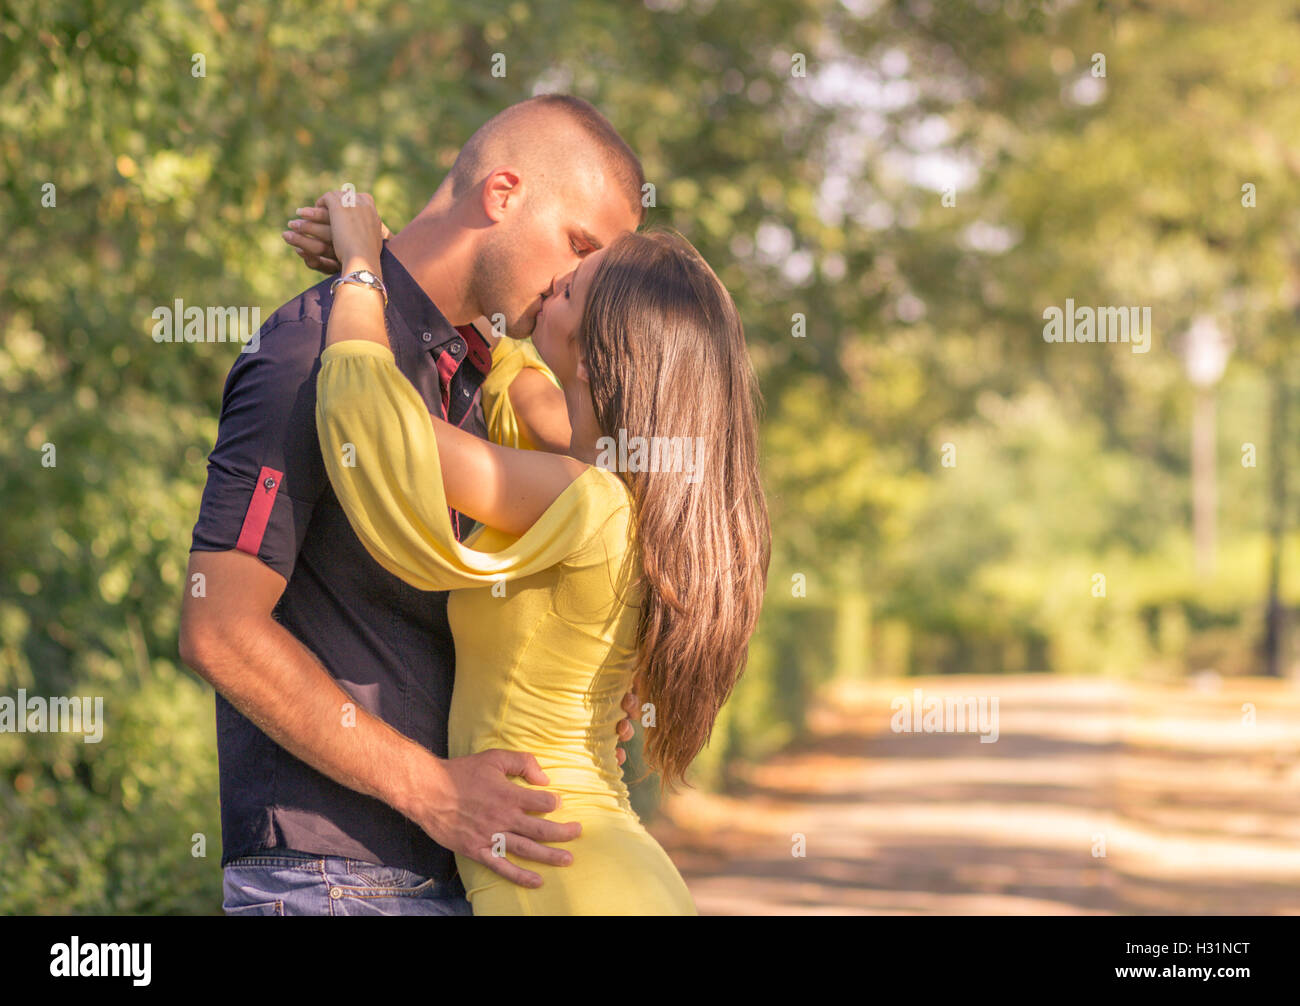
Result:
{"points": [[457, 348], [336, 893], [269, 483], [427, 336]]}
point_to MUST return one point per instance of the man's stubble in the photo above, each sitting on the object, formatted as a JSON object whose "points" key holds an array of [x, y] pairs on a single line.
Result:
{"points": [[498, 291]]}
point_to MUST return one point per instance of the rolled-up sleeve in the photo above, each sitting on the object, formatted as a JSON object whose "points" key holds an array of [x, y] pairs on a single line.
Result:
{"points": [[265, 474]]}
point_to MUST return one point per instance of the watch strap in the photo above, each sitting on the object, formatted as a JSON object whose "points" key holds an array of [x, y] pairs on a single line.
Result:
{"points": [[362, 277]]}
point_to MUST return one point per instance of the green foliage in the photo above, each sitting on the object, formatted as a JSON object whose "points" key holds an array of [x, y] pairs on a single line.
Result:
{"points": [[817, 196]]}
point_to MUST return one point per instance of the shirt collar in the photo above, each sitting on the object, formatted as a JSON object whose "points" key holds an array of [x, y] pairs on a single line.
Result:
{"points": [[424, 326], [480, 351]]}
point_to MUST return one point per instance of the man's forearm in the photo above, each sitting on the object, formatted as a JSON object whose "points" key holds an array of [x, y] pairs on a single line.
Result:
{"points": [[275, 681]]}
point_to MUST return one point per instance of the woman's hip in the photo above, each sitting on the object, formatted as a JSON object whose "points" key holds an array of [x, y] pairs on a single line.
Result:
{"points": [[617, 869]]}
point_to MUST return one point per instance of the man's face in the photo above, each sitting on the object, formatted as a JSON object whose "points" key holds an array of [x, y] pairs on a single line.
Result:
{"points": [[547, 237]]}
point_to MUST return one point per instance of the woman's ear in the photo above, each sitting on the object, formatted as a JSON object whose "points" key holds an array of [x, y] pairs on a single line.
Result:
{"points": [[580, 358]]}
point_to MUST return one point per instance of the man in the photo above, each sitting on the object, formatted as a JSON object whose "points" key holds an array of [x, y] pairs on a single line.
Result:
{"points": [[333, 677]]}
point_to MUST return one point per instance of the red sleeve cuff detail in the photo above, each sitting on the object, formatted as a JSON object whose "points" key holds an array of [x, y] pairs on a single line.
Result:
{"points": [[259, 511]]}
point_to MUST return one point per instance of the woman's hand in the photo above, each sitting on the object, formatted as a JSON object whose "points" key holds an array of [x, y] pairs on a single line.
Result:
{"points": [[312, 237]]}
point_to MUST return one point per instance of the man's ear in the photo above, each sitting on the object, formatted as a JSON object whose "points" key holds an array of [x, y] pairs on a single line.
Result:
{"points": [[501, 192]]}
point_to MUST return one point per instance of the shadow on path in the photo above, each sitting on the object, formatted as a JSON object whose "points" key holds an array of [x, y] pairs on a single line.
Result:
{"points": [[1097, 797]]}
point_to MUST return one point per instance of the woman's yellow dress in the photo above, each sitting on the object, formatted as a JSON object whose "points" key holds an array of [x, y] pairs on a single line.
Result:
{"points": [[510, 357], [544, 625]]}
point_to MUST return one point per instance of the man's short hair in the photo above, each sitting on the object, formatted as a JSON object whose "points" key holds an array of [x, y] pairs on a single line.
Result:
{"points": [[622, 165]]}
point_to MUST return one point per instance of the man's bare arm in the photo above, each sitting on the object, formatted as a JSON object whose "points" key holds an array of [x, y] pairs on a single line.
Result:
{"points": [[230, 639]]}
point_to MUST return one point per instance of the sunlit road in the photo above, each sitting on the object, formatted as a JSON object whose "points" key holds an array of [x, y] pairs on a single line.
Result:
{"points": [[1097, 797]]}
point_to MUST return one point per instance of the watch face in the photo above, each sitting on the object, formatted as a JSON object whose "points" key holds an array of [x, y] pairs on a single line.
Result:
{"points": [[365, 274]]}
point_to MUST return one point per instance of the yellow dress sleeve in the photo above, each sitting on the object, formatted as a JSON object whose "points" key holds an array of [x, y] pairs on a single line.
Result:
{"points": [[381, 454], [529, 358], [509, 358]]}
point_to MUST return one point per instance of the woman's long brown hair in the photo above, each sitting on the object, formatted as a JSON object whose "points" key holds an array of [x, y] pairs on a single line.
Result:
{"points": [[666, 357]]}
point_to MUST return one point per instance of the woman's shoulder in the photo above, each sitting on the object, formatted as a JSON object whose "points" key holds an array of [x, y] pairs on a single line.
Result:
{"points": [[505, 365], [610, 487], [513, 356], [608, 512], [529, 357]]}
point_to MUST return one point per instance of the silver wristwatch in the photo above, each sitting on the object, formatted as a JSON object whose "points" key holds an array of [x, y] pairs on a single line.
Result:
{"points": [[362, 277]]}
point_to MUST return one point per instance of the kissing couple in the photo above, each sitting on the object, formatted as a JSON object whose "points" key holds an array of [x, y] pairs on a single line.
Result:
{"points": [[429, 615]]}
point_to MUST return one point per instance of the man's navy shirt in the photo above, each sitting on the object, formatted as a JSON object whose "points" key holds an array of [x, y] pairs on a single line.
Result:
{"points": [[387, 644]]}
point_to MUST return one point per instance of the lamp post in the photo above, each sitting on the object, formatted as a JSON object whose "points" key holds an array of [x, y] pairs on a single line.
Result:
{"points": [[1207, 349]]}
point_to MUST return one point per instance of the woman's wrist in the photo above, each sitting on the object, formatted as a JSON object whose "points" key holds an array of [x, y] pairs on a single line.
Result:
{"points": [[354, 262]]}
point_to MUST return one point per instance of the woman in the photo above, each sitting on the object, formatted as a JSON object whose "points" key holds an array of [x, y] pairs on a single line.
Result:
{"points": [[582, 578]]}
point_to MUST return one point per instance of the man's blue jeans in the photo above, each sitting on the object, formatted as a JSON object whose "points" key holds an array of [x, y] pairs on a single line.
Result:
{"points": [[287, 882]]}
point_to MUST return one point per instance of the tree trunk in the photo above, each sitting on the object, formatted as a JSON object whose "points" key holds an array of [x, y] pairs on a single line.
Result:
{"points": [[1275, 627]]}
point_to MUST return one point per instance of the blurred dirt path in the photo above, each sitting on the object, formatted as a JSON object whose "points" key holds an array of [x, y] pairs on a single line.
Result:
{"points": [[1196, 808]]}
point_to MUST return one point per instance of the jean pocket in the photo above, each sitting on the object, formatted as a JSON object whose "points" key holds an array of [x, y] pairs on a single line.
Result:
{"points": [[384, 882], [261, 908], [390, 878]]}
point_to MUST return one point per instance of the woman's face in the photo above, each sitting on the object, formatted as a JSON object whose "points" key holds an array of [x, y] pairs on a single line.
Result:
{"points": [[555, 336]]}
